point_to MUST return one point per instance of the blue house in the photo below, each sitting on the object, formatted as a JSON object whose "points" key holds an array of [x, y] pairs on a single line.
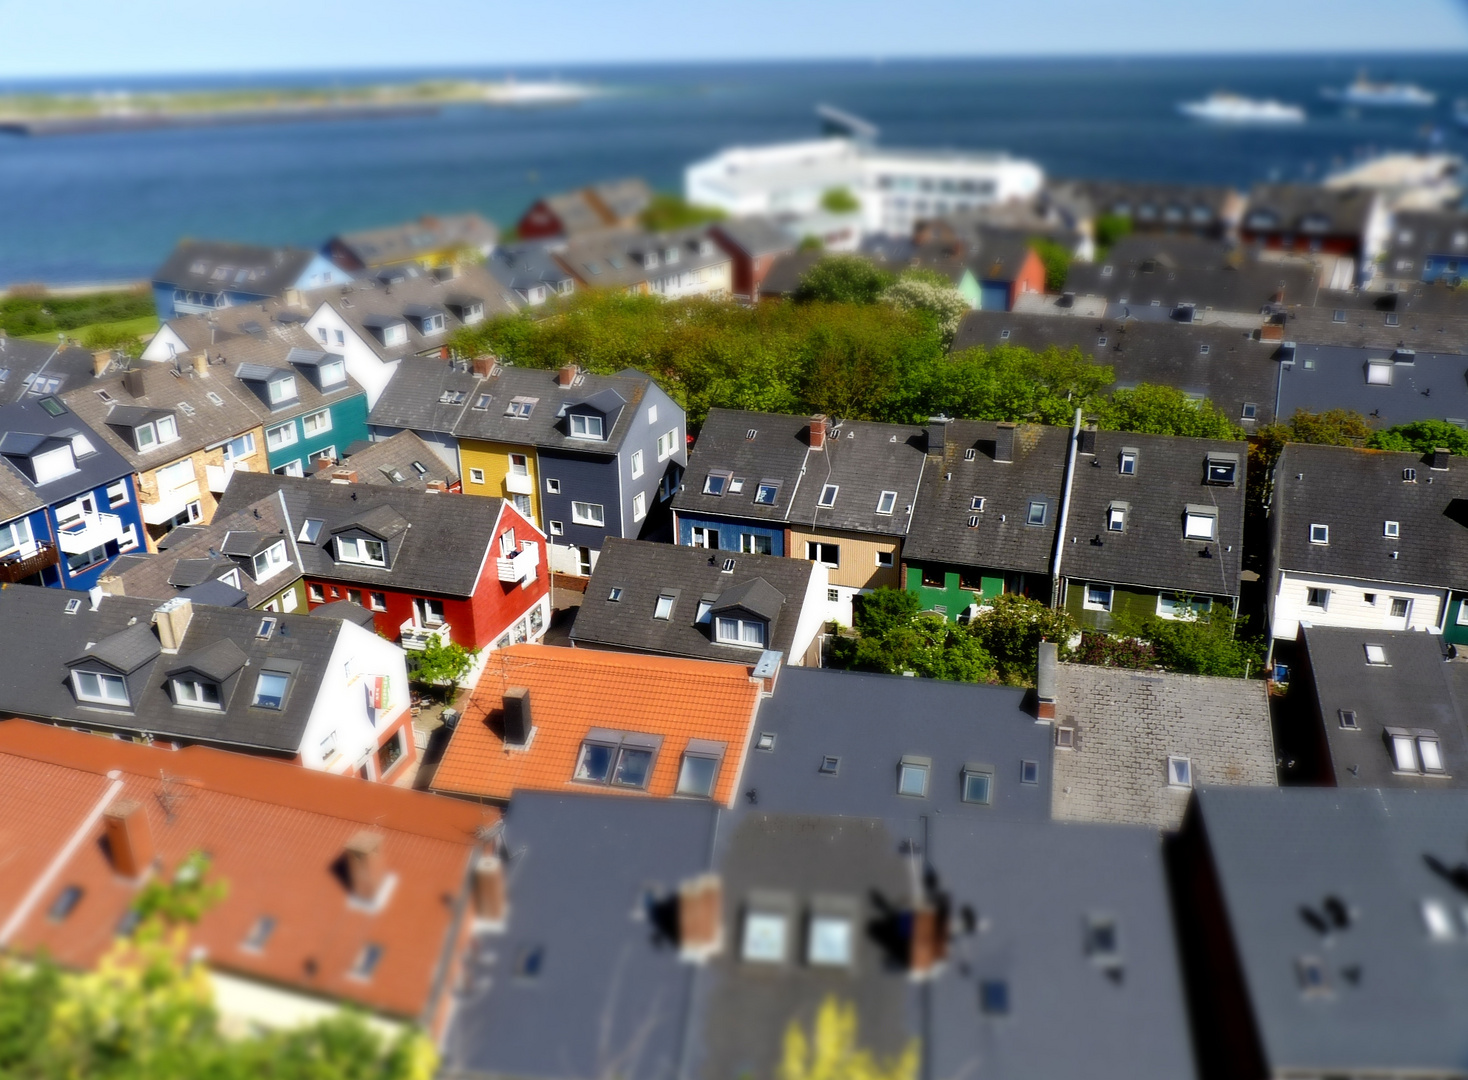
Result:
{"points": [[68, 499], [1428, 245], [204, 275]]}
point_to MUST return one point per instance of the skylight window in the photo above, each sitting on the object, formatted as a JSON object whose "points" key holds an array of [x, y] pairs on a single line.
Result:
{"points": [[1392, 529], [1404, 750], [521, 407], [1200, 523], [696, 775], [736, 485], [994, 993], [764, 495], [1128, 463], [1116, 517], [1438, 920], [1319, 534], [716, 483], [310, 530], [65, 902], [664, 607], [1430, 750], [615, 595], [976, 504], [481, 402], [978, 784], [266, 628], [1223, 468], [763, 941], [1348, 719], [765, 741], [886, 502], [270, 690], [1375, 654], [830, 764], [828, 495], [1029, 772], [259, 934], [1103, 943], [829, 941], [912, 776], [365, 966], [1036, 513]]}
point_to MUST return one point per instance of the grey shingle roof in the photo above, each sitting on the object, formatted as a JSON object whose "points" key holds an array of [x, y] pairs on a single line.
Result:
{"points": [[1309, 209], [777, 452], [1127, 725], [1423, 386], [544, 427], [1414, 325], [1187, 270], [1001, 539], [1353, 493], [30, 366], [365, 304], [615, 258], [643, 571], [443, 552], [1234, 370], [1392, 994], [25, 422], [394, 461], [38, 637], [1418, 235], [1414, 689], [1151, 549], [1203, 208], [426, 395], [268, 271], [754, 236], [412, 239]]}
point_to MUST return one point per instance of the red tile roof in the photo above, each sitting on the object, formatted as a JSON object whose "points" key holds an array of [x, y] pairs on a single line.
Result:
{"points": [[276, 834], [575, 690]]}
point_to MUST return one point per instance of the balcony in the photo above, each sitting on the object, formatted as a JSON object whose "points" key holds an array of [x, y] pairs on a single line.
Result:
{"points": [[217, 476], [521, 565], [416, 638], [30, 558], [170, 503], [516, 484], [87, 532]]}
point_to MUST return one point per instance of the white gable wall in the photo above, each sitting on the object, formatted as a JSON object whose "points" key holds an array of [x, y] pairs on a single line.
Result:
{"points": [[1347, 605]]}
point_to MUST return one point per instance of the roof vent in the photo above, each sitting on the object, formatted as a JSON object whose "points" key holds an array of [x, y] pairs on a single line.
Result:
{"points": [[517, 720]]}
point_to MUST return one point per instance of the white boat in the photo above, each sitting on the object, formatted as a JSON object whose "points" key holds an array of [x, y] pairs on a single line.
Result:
{"points": [[1387, 95], [1225, 108], [513, 92]]}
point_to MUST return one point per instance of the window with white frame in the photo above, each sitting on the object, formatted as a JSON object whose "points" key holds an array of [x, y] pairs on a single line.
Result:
{"points": [[886, 502], [1128, 463], [1097, 597], [639, 506], [1116, 517], [636, 464], [282, 389], [736, 630], [100, 687], [317, 423], [117, 494], [667, 444], [362, 550], [586, 427], [716, 483], [1319, 534], [1180, 606], [765, 492], [652, 414], [281, 436], [663, 607], [586, 513], [552, 487], [1200, 523], [476, 476], [241, 446], [326, 453], [196, 692], [270, 560], [1392, 529], [823, 553], [1317, 598], [1179, 772], [828, 495], [16, 534], [1401, 607]]}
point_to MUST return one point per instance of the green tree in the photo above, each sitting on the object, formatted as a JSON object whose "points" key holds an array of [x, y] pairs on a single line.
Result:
{"points": [[32, 311], [440, 663], [1108, 229], [1164, 410], [831, 1051], [1011, 629], [108, 337], [669, 211], [1057, 262], [1211, 643], [811, 243], [839, 200], [931, 294], [843, 279], [1422, 437], [893, 637]]}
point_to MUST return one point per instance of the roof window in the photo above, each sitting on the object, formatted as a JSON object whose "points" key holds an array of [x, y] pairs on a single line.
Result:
{"points": [[1409, 476], [365, 966], [978, 784], [663, 609], [1392, 529], [1319, 534], [1036, 513], [1127, 463], [1438, 920], [994, 993], [1312, 975], [886, 502], [521, 407], [912, 776], [1376, 654], [1029, 772], [1378, 372], [1223, 468], [310, 530], [764, 495], [616, 594], [976, 504], [765, 741], [1200, 523], [259, 935], [1103, 943], [716, 483], [270, 690], [1116, 517], [481, 402], [829, 940], [65, 903], [828, 495], [763, 941], [1348, 719], [829, 765]]}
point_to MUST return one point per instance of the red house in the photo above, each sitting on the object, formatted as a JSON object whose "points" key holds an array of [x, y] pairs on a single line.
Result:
{"points": [[754, 244], [1308, 218], [427, 565]]}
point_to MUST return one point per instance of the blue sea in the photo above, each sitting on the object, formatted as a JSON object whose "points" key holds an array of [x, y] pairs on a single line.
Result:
{"points": [[109, 207]]}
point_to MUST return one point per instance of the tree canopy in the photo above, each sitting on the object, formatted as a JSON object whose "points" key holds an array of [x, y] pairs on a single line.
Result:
{"points": [[839, 200], [843, 279], [831, 1051], [1056, 260], [669, 211]]}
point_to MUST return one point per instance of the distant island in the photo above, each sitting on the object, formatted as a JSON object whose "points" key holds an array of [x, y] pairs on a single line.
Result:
{"points": [[99, 111]]}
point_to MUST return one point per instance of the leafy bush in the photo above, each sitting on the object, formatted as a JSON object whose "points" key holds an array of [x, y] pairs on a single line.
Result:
{"points": [[40, 314], [1057, 263], [1011, 630], [939, 300], [1210, 644], [440, 663], [840, 200], [1110, 228], [1422, 436], [669, 211], [1164, 410], [842, 279]]}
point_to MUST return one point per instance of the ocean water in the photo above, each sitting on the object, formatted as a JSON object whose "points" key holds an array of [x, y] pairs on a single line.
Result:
{"points": [[110, 206]]}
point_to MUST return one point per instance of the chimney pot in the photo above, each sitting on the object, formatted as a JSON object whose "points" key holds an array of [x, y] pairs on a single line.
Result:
{"points": [[517, 715], [817, 431], [365, 870], [129, 838], [926, 945], [324, 463], [344, 476], [1088, 440], [700, 917], [567, 375], [1440, 455], [1004, 441], [491, 904], [1045, 680], [172, 620], [101, 361], [201, 363]]}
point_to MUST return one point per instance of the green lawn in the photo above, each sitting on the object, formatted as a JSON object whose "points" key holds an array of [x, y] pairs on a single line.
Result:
{"points": [[143, 324]]}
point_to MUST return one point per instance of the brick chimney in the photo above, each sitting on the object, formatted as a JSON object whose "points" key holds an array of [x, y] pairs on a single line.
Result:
{"points": [[1271, 332], [700, 917], [200, 361], [1004, 442], [483, 366], [1440, 455], [937, 432], [1046, 676], [927, 944], [129, 838], [817, 431], [101, 361], [517, 716], [135, 382], [365, 869], [324, 463], [172, 620], [567, 375], [491, 903], [1088, 440], [344, 476]]}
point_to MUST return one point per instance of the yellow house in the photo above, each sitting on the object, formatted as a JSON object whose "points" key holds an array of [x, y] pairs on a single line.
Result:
{"points": [[186, 490], [503, 471]]}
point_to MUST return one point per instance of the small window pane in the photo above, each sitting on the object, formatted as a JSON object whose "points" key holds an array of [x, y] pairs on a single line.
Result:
{"points": [[1432, 758], [830, 941], [696, 777], [912, 780], [764, 938], [595, 763], [977, 787], [1036, 513], [633, 767], [664, 608], [1404, 754], [270, 689]]}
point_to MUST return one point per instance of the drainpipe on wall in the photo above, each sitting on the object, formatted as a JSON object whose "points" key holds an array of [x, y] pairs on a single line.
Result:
{"points": [[1070, 473]]}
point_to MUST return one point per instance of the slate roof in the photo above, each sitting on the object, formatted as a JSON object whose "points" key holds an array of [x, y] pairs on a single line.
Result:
{"points": [[545, 428], [1417, 688], [1374, 851], [753, 236], [1411, 324], [413, 239], [1423, 386], [1034, 890], [1418, 235], [608, 991], [786, 271], [613, 259], [1128, 723], [1236, 368], [36, 368], [1353, 493], [425, 395], [1293, 208], [576, 691], [600, 206], [1001, 540], [394, 461], [1200, 208], [24, 422], [1151, 550], [195, 554], [861, 458], [443, 552], [523, 267], [215, 266], [869, 723], [274, 831], [40, 638], [643, 571], [1188, 270], [369, 304]]}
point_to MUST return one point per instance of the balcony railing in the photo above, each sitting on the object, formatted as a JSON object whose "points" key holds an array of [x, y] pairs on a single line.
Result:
{"points": [[30, 558], [517, 484], [170, 503], [88, 531], [217, 476], [416, 638], [521, 565]]}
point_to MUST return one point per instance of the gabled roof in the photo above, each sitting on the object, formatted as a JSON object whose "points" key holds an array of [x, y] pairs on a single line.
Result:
{"points": [[526, 266], [619, 258], [44, 641], [1128, 723], [574, 692], [1354, 493], [643, 571], [1186, 270], [1389, 991], [777, 452], [414, 239], [754, 236], [403, 460], [1150, 550], [217, 266], [1420, 385], [1435, 321], [545, 427], [369, 303], [1308, 209], [1419, 235], [1415, 687], [1001, 539], [28, 428], [427, 395], [611, 203], [442, 553], [37, 368], [863, 460], [275, 833], [1200, 207], [1234, 370]]}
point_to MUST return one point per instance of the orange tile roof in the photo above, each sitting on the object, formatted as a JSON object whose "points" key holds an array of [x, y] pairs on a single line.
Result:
{"points": [[276, 834], [575, 690]]}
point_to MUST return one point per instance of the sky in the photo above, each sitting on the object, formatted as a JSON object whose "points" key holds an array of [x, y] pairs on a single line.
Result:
{"points": [[65, 38]]}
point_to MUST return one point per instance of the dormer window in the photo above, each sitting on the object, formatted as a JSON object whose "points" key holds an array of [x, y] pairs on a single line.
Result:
{"points": [[155, 433], [361, 550], [1223, 469], [197, 693], [272, 559], [737, 630], [53, 464], [282, 389], [100, 687], [1127, 464], [586, 427], [332, 373], [1116, 517]]}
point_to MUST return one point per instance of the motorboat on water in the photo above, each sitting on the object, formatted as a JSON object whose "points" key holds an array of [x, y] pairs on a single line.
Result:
{"points": [[1226, 108], [1384, 94]]}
